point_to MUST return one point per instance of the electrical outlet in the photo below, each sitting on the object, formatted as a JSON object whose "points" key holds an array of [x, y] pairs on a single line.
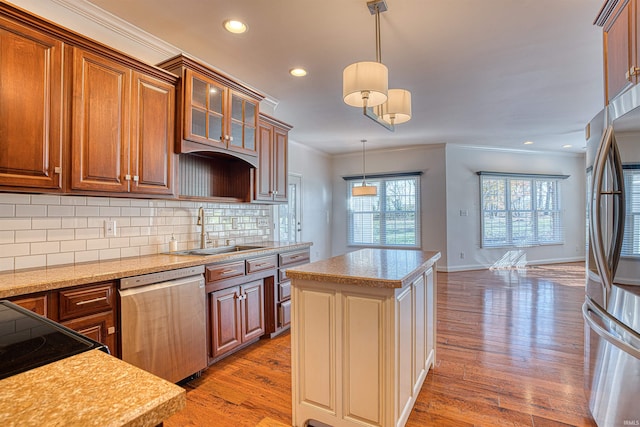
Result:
{"points": [[234, 223], [263, 222], [461, 255], [109, 228]]}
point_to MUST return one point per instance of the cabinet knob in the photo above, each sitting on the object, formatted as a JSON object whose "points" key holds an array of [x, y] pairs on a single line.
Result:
{"points": [[136, 178], [127, 177], [57, 169]]}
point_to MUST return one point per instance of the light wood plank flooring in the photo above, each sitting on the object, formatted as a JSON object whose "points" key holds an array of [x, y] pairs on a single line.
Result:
{"points": [[509, 353]]}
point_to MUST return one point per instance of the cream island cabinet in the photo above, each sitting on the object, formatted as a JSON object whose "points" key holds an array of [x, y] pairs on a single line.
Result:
{"points": [[362, 336]]}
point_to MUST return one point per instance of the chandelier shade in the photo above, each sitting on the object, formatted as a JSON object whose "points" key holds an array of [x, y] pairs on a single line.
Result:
{"points": [[397, 108], [365, 84], [364, 190]]}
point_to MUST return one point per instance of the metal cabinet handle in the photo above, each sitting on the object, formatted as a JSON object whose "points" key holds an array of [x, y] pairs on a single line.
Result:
{"points": [[89, 301], [227, 271]]}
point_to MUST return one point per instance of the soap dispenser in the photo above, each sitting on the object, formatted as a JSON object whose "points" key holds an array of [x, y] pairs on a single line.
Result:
{"points": [[173, 244]]}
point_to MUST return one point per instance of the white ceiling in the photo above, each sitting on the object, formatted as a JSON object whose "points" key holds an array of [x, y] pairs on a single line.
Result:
{"points": [[481, 72]]}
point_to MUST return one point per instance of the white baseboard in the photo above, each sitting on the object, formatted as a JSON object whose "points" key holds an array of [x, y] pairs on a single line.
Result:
{"points": [[468, 267]]}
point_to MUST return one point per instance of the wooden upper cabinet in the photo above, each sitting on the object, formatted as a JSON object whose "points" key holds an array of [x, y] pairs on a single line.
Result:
{"points": [[122, 128], [152, 136], [271, 177], [216, 114], [100, 123], [30, 107]]}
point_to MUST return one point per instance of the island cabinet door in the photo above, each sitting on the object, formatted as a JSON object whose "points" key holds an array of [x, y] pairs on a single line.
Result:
{"points": [[224, 312], [252, 307]]}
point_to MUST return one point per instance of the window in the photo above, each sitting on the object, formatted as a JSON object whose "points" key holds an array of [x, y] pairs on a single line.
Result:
{"points": [[520, 210], [389, 219], [631, 239]]}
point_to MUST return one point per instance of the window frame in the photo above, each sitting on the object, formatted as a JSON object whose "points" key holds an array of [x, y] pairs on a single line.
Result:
{"points": [[534, 238], [628, 171], [380, 180]]}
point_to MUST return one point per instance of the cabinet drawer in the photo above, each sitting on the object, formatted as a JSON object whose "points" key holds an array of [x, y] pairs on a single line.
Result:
{"points": [[293, 258], [88, 300], [214, 273], [261, 264], [284, 314], [37, 304], [284, 290]]}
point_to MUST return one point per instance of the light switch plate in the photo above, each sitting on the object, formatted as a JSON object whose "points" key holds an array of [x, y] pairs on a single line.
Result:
{"points": [[109, 228]]}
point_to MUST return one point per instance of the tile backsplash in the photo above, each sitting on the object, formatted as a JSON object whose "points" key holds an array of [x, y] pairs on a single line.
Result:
{"points": [[44, 230]]}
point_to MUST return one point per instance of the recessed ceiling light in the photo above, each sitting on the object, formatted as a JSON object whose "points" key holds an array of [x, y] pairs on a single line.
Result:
{"points": [[528, 142], [298, 72], [235, 26], [567, 146]]}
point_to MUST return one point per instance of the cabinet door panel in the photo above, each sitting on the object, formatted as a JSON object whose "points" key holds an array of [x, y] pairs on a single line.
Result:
{"points": [[253, 310], [618, 52], [101, 96], [98, 327], [265, 160], [30, 106], [152, 136], [280, 144], [224, 309]]}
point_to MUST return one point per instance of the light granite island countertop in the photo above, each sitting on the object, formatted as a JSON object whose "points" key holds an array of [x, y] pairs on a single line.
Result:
{"points": [[88, 389], [363, 336]]}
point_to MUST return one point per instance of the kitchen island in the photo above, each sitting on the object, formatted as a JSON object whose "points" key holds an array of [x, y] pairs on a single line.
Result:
{"points": [[362, 336], [88, 389]]}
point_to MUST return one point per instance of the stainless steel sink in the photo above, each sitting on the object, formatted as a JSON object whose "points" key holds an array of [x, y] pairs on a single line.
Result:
{"points": [[218, 250]]}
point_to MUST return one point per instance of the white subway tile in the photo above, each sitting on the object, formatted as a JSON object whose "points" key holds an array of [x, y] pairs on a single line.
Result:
{"points": [[7, 264], [119, 242], [74, 222], [7, 236], [88, 211], [45, 248], [87, 233], [139, 221], [28, 236], [140, 203], [109, 211], [7, 210], [97, 201], [73, 200], [96, 222], [149, 250], [61, 211], [119, 202], [97, 244], [15, 199], [129, 252], [157, 203], [109, 254], [129, 211], [73, 246], [45, 199], [46, 223], [61, 234], [123, 221], [31, 261], [31, 211], [15, 224], [60, 258], [139, 241], [87, 256], [129, 231]]}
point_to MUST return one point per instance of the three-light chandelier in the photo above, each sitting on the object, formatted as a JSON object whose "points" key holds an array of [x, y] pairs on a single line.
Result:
{"points": [[366, 85]]}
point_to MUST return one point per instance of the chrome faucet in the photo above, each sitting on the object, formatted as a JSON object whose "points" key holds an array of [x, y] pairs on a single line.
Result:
{"points": [[203, 234]]}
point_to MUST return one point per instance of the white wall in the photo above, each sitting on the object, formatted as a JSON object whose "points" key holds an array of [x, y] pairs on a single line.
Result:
{"points": [[463, 232], [315, 169], [430, 159]]}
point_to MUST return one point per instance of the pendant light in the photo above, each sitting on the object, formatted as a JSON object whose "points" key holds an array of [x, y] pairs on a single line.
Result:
{"points": [[364, 189], [365, 84]]}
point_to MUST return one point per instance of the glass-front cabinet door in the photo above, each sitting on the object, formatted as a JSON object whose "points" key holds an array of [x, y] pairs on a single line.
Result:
{"points": [[243, 124], [205, 111]]}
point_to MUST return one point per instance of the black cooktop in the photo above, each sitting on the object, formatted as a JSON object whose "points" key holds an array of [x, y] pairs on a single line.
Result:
{"points": [[28, 340]]}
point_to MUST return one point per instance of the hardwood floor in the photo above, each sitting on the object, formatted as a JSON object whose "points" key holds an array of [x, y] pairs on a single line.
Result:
{"points": [[509, 353]]}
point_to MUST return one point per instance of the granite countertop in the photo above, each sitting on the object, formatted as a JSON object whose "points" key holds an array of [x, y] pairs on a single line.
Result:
{"points": [[380, 268], [50, 278], [88, 389]]}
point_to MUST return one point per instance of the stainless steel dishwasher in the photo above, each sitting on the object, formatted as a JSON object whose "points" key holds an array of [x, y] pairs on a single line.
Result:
{"points": [[163, 322]]}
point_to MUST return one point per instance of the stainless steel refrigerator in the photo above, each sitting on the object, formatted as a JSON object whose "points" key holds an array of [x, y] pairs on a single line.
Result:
{"points": [[612, 305]]}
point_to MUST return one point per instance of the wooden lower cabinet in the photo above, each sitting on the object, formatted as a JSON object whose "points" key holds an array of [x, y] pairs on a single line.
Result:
{"points": [[236, 318], [87, 309]]}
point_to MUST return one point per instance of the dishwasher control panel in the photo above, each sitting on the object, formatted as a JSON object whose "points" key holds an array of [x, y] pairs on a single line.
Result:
{"points": [[161, 276]]}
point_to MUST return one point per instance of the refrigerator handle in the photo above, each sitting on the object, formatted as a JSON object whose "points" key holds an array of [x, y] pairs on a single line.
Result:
{"points": [[595, 229], [619, 212], [589, 309]]}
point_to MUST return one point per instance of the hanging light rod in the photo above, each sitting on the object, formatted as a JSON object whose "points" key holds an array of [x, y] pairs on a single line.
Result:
{"points": [[365, 84]]}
